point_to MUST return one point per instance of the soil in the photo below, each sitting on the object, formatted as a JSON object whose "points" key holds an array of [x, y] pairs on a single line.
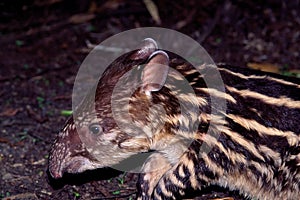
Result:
{"points": [[43, 44]]}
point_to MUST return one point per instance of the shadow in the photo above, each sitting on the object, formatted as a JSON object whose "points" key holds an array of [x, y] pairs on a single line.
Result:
{"points": [[134, 163], [82, 178]]}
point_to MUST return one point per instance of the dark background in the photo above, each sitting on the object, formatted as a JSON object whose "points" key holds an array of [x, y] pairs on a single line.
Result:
{"points": [[44, 42]]}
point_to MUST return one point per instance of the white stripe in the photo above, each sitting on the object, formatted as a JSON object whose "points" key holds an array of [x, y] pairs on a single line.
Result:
{"points": [[250, 124], [281, 101], [217, 93], [260, 77]]}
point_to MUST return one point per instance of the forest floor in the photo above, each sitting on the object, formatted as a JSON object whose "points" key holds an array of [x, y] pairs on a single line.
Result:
{"points": [[43, 44]]}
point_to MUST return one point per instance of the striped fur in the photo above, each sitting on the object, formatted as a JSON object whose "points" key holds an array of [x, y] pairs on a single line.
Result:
{"points": [[256, 151]]}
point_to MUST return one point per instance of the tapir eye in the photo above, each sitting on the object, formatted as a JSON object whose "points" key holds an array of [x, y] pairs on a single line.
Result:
{"points": [[95, 128]]}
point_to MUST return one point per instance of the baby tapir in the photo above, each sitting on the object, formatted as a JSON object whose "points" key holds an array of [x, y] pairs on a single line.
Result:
{"points": [[251, 146]]}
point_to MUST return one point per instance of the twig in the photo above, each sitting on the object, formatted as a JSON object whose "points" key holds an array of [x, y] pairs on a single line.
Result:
{"points": [[213, 23]]}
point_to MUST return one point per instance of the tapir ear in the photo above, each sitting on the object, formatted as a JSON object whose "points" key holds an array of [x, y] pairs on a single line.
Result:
{"points": [[155, 72], [145, 50]]}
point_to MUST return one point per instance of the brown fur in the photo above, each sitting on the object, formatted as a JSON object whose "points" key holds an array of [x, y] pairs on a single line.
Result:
{"points": [[252, 147]]}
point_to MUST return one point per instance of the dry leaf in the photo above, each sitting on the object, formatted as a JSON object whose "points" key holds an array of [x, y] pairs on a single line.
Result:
{"points": [[267, 67], [295, 71], [110, 5], [93, 7], [10, 112], [4, 140], [34, 115], [187, 20], [152, 8], [81, 18]]}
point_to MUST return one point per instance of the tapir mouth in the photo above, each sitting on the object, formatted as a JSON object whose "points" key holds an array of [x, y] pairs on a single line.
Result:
{"points": [[75, 165]]}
